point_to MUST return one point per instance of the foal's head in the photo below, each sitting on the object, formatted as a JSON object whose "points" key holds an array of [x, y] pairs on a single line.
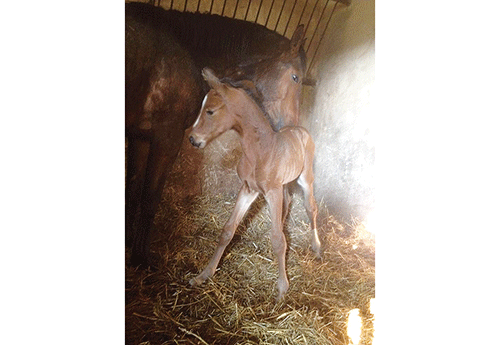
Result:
{"points": [[217, 113]]}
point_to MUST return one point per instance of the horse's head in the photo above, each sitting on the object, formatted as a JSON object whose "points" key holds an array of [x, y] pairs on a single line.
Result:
{"points": [[214, 117], [277, 79]]}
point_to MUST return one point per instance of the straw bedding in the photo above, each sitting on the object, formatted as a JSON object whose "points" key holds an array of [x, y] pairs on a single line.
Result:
{"points": [[237, 305]]}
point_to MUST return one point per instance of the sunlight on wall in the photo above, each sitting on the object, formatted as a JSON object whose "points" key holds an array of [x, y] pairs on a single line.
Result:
{"points": [[354, 326], [371, 222], [343, 115]]}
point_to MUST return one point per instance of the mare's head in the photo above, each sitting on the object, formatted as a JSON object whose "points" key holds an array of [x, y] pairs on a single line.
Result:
{"points": [[277, 79], [217, 113]]}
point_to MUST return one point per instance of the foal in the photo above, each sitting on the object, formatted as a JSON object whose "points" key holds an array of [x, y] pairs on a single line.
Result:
{"points": [[270, 160]]}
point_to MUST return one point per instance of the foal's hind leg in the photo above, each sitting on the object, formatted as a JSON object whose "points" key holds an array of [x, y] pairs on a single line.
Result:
{"points": [[305, 181], [275, 200], [245, 198], [286, 202]]}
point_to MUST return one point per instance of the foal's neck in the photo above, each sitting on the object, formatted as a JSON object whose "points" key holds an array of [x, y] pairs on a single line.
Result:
{"points": [[254, 128]]}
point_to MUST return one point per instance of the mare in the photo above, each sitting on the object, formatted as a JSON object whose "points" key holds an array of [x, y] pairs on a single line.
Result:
{"points": [[270, 161], [161, 82], [162, 48]]}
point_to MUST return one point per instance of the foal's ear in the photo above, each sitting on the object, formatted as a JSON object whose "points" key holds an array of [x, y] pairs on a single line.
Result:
{"points": [[210, 78], [297, 40]]}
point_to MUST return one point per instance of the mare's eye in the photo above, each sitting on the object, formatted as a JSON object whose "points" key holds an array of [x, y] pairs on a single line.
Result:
{"points": [[295, 78], [210, 112]]}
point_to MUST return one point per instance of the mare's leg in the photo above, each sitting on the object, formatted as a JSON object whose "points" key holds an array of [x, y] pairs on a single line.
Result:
{"points": [[163, 152], [245, 198], [275, 200], [305, 181], [137, 157]]}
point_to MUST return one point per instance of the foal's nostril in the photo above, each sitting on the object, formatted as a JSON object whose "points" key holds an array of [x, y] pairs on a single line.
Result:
{"points": [[194, 143]]}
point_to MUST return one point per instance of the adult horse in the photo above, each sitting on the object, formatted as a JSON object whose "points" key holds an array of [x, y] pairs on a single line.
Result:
{"points": [[161, 82], [237, 51]]}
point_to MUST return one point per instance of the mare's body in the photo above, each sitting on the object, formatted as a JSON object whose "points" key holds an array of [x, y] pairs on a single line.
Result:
{"points": [[161, 81]]}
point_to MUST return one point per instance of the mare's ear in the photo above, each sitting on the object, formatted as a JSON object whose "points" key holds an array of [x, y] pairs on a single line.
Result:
{"points": [[297, 40], [210, 78]]}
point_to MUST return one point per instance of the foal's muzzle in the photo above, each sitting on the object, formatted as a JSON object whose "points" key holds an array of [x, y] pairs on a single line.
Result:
{"points": [[193, 142]]}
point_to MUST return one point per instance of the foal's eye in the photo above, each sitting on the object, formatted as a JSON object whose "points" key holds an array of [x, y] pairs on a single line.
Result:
{"points": [[295, 78], [210, 112]]}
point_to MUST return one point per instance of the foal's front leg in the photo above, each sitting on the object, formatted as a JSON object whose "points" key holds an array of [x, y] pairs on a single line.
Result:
{"points": [[245, 198], [275, 200]]}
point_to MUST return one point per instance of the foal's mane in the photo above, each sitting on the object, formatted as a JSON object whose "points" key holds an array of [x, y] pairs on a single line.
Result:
{"points": [[249, 88]]}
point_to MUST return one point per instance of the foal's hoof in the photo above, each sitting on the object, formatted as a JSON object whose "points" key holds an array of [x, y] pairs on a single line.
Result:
{"points": [[193, 282], [282, 289], [196, 281], [316, 248], [317, 254]]}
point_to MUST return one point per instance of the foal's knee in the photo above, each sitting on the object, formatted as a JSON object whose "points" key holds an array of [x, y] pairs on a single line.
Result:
{"points": [[278, 242], [225, 237]]}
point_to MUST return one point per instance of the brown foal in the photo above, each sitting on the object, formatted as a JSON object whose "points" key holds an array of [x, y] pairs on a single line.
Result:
{"points": [[270, 160]]}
